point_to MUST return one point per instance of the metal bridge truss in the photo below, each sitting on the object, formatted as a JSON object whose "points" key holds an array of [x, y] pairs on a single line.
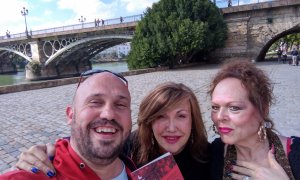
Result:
{"points": [[22, 50], [68, 50], [81, 50]]}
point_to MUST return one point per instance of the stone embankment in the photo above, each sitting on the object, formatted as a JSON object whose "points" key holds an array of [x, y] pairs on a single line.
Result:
{"points": [[59, 82]]}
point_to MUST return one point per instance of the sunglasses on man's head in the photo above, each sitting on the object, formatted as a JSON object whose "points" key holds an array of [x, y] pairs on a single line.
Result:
{"points": [[96, 71]]}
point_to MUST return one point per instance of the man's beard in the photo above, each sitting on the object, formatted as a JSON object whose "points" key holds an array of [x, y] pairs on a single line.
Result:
{"points": [[101, 152]]}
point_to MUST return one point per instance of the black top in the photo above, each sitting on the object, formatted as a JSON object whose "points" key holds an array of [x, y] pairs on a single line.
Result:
{"points": [[190, 168], [294, 157], [217, 158]]}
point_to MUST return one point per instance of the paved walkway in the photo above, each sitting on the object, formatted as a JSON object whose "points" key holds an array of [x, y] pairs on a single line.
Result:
{"points": [[38, 116]]}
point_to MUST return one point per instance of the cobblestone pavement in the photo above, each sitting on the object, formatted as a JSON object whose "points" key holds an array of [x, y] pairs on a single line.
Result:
{"points": [[38, 116]]}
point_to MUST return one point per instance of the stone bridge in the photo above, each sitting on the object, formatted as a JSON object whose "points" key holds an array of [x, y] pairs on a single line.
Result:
{"points": [[64, 51], [253, 28]]}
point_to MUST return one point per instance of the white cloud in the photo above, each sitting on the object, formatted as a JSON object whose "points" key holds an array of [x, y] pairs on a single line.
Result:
{"points": [[90, 9], [243, 2], [52, 24], [11, 17], [138, 6], [48, 12]]}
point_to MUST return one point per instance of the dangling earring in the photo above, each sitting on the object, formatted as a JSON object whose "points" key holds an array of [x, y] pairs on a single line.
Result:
{"points": [[215, 129], [262, 132]]}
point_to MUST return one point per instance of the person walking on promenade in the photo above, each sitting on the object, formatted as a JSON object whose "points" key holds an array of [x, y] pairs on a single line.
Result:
{"points": [[279, 53], [294, 57], [248, 147], [284, 57], [100, 120]]}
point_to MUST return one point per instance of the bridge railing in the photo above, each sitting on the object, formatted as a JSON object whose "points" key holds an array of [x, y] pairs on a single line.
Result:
{"points": [[219, 3], [226, 3], [84, 25]]}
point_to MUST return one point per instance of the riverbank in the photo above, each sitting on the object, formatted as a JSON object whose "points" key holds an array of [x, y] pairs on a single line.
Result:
{"points": [[64, 81]]}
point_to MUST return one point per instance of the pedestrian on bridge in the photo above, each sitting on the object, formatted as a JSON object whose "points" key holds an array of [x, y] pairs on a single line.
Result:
{"points": [[229, 3], [95, 22], [98, 22]]}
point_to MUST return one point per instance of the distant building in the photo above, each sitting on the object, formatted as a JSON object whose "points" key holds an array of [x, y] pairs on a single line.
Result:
{"points": [[120, 50]]}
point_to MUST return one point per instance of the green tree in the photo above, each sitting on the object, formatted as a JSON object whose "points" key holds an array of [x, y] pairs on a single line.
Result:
{"points": [[176, 30]]}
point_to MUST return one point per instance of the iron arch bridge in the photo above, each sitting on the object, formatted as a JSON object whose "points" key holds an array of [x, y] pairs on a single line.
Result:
{"points": [[67, 57], [66, 51]]}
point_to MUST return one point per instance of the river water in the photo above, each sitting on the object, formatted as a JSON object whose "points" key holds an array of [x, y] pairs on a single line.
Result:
{"points": [[19, 77]]}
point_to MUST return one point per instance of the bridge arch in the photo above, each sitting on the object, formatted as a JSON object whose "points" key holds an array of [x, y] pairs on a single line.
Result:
{"points": [[66, 51], [16, 52], [103, 41], [265, 48], [252, 29]]}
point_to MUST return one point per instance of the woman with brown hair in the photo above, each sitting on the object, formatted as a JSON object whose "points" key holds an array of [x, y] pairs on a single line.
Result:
{"points": [[169, 120], [241, 96]]}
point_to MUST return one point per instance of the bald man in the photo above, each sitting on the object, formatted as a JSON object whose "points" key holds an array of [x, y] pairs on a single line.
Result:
{"points": [[100, 121]]}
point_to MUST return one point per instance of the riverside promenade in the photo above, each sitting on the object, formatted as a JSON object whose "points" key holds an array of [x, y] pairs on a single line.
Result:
{"points": [[38, 116]]}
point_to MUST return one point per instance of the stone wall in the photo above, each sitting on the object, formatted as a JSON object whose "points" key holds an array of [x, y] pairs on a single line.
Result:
{"points": [[253, 28]]}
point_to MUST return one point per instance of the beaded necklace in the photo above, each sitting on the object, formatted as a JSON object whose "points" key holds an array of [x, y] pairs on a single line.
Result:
{"points": [[280, 156]]}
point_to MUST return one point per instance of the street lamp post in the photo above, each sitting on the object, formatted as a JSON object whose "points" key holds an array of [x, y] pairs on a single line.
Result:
{"points": [[24, 13], [82, 20]]}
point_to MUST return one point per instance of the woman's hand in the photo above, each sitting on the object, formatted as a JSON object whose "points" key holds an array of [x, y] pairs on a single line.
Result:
{"points": [[38, 158], [258, 172]]}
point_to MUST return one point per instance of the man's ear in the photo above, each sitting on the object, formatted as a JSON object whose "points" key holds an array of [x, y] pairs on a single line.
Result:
{"points": [[69, 113]]}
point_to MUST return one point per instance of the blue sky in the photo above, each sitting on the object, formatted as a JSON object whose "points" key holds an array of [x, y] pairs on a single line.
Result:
{"points": [[44, 14]]}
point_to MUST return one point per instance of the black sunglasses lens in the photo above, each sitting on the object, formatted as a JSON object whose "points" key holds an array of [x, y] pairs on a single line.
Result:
{"points": [[91, 72], [96, 71]]}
